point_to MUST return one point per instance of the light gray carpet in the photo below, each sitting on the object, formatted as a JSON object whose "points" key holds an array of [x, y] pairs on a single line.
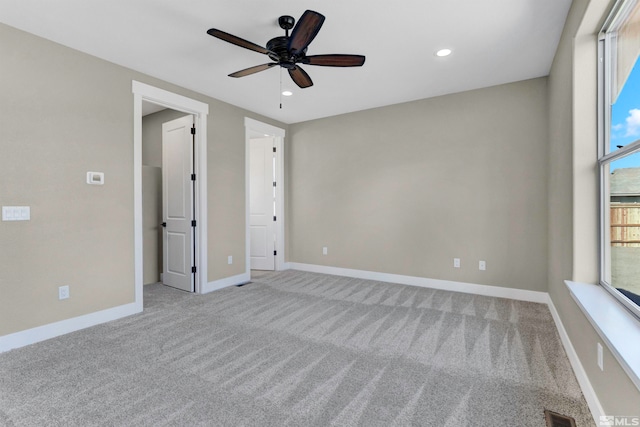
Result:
{"points": [[295, 348]]}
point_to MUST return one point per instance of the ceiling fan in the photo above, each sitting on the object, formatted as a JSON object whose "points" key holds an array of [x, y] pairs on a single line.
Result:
{"points": [[289, 51]]}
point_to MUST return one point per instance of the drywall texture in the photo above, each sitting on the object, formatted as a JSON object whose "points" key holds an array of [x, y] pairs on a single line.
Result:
{"points": [[64, 113], [152, 135], [406, 188], [151, 220], [616, 392]]}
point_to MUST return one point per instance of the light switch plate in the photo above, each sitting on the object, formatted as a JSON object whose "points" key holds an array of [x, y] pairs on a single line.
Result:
{"points": [[16, 213]]}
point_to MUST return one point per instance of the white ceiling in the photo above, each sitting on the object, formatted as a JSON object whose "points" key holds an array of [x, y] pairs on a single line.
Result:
{"points": [[493, 42]]}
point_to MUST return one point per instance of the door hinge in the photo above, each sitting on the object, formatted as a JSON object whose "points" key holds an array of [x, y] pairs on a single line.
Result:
{"points": [[274, 149], [193, 223], [275, 252], [274, 218], [193, 130], [193, 177], [194, 269], [274, 183]]}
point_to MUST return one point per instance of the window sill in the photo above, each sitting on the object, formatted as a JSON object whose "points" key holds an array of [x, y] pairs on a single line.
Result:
{"points": [[618, 328]]}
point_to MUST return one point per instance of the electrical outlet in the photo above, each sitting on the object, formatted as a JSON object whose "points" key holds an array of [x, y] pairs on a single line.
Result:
{"points": [[600, 357], [456, 263], [230, 259], [482, 265], [325, 250], [63, 292]]}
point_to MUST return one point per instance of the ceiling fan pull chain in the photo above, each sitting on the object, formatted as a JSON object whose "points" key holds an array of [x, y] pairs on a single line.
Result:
{"points": [[281, 88]]}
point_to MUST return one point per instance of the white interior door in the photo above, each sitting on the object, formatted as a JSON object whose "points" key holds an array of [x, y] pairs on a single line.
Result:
{"points": [[177, 204], [262, 203]]}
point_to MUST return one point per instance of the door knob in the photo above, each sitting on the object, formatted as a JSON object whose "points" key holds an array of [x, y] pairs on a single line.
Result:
{"points": [[164, 224]]}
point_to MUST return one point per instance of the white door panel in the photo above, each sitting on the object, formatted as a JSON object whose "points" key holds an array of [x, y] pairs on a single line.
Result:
{"points": [[261, 204], [177, 203], [175, 243], [259, 241]]}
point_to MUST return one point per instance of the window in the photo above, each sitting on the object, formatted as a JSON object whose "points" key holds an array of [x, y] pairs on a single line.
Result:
{"points": [[619, 154]]}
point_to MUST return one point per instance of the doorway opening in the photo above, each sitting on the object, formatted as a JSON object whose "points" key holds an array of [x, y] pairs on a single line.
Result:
{"points": [[146, 94], [264, 166]]}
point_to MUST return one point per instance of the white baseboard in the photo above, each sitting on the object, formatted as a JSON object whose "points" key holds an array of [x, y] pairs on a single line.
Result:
{"points": [[227, 281], [581, 375], [469, 288], [52, 330]]}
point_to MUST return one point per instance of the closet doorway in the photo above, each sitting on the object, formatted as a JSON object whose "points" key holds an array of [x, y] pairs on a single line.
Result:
{"points": [[195, 263]]}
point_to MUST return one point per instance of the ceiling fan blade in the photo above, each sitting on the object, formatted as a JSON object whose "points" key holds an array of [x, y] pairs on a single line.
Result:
{"points": [[305, 31], [337, 60], [300, 77], [237, 41], [252, 70]]}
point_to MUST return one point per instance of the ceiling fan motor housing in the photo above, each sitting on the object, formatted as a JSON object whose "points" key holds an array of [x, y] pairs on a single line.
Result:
{"points": [[279, 52]]}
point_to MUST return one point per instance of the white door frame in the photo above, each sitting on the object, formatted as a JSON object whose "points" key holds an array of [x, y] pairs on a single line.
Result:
{"points": [[143, 92], [252, 126]]}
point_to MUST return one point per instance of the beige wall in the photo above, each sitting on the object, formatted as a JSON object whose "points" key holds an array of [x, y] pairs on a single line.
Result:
{"points": [[573, 208], [152, 135], [406, 188], [151, 220], [64, 113]]}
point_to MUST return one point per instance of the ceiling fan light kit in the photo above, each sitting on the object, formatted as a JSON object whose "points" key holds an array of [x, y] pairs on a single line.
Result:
{"points": [[290, 50]]}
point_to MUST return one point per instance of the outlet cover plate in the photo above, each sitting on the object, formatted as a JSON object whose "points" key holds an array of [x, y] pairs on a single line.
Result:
{"points": [[63, 292]]}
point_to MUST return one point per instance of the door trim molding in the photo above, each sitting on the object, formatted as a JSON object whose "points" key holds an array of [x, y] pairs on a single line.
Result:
{"points": [[143, 92], [278, 134]]}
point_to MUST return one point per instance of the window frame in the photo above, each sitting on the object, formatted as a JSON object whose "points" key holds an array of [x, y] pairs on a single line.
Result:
{"points": [[606, 58]]}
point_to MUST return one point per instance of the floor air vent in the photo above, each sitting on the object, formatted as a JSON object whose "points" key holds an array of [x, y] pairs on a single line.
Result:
{"points": [[556, 420]]}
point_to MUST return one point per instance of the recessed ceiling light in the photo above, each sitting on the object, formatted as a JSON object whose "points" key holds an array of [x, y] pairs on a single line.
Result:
{"points": [[443, 52], [287, 93]]}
